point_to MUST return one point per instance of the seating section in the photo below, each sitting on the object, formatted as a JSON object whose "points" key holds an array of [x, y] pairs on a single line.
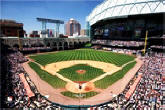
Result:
{"points": [[119, 43]]}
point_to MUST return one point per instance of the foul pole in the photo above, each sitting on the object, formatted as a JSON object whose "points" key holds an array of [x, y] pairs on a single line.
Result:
{"points": [[145, 44]]}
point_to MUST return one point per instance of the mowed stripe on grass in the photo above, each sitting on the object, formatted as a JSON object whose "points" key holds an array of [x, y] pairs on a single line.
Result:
{"points": [[110, 79], [90, 72], [83, 54], [53, 80]]}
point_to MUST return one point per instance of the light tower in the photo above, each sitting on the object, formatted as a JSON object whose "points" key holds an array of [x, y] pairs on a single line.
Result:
{"points": [[57, 23]]}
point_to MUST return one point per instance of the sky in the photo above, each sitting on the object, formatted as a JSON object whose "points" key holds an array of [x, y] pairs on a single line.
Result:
{"points": [[26, 11]]}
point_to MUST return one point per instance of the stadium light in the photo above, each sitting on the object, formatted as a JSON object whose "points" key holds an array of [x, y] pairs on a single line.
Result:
{"points": [[57, 23]]}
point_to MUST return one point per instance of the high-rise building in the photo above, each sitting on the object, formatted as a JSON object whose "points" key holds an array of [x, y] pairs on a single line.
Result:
{"points": [[48, 33], [72, 27]]}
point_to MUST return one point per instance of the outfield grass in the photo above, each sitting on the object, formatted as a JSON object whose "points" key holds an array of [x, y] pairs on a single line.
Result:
{"points": [[53, 80], [83, 54], [76, 95], [71, 73], [110, 79]]}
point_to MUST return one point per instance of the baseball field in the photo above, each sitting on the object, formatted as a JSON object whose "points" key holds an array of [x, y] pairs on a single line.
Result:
{"points": [[81, 73]]}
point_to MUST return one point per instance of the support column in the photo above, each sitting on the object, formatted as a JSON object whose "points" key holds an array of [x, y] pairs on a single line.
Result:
{"points": [[57, 46], [43, 25], [68, 45], [57, 29], [63, 45]]}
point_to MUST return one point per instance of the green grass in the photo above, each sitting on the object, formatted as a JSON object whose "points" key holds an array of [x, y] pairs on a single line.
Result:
{"points": [[71, 73], [76, 95], [83, 54], [53, 80], [110, 79]]}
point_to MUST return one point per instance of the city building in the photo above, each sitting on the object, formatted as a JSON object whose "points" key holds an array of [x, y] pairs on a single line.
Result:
{"points": [[48, 33], [83, 32], [10, 28], [72, 27], [127, 19], [34, 34]]}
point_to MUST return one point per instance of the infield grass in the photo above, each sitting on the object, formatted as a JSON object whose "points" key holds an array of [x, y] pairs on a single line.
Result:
{"points": [[91, 72]]}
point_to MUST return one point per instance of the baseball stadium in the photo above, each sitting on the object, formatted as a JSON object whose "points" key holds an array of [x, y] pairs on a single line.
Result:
{"points": [[119, 65]]}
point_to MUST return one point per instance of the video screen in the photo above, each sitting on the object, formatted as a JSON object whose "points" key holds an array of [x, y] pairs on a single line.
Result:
{"points": [[106, 33]]}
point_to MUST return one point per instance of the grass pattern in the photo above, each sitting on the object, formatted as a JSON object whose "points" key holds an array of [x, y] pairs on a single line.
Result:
{"points": [[83, 54], [71, 73], [53, 80], [110, 79]]}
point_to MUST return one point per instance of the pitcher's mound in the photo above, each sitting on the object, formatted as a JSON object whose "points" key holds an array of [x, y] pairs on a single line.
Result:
{"points": [[81, 71]]}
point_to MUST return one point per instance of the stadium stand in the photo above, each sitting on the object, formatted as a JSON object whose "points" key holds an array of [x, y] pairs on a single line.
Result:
{"points": [[119, 43], [15, 94], [148, 93]]}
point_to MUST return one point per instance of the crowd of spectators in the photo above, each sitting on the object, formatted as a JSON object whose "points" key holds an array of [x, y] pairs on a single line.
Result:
{"points": [[119, 43], [127, 43], [15, 93], [34, 48], [118, 50], [158, 47], [150, 92], [18, 92]]}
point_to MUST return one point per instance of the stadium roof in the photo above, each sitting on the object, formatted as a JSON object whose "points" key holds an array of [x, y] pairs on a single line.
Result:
{"points": [[122, 8]]}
